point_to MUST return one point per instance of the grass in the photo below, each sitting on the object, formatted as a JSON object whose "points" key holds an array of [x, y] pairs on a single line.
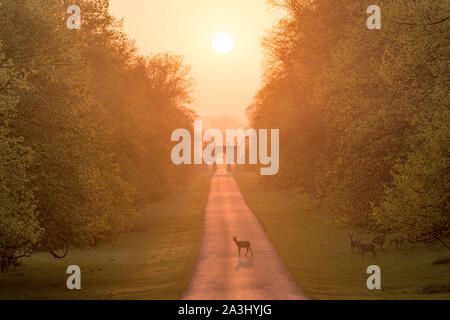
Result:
{"points": [[318, 254], [442, 260], [152, 262]]}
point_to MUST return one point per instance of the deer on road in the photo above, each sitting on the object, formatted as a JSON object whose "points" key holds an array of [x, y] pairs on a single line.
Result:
{"points": [[242, 244]]}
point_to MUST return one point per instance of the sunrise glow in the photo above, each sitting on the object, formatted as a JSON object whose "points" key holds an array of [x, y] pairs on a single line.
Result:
{"points": [[223, 43]]}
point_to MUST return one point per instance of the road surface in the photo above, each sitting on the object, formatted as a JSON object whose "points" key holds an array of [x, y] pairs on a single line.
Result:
{"points": [[219, 272]]}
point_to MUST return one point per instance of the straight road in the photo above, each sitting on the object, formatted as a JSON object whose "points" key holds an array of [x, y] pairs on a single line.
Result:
{"points": [[219, 272]]}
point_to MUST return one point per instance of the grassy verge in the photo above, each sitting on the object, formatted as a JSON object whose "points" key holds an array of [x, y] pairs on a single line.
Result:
{"points": [[318, 255], [154, 261]]}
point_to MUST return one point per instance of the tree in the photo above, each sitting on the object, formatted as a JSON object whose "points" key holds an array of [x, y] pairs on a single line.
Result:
{"points": [[89, 114], [19, 226], [357, 108], [79, 195], [417, 203]]}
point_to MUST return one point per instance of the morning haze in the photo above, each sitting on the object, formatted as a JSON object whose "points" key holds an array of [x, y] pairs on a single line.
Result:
{"points": [[225, 83]]}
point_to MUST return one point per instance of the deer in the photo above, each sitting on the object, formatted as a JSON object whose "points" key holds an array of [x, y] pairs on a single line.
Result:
{"points": [[379, 240], [243, 244], [5, 264], [398, 241], [14, 261], [353, 242], [366, 247], [11, 257]]}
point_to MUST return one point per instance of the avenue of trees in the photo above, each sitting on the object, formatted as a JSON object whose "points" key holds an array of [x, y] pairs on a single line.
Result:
{"points": [[363, 114], [85, 124]]}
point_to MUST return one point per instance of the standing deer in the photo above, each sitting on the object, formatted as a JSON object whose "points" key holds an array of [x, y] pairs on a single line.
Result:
{"points": [[379, 241], [14, 261], [366, 247], [353, 242], [5, 264], [398, 241], [242, 244]]}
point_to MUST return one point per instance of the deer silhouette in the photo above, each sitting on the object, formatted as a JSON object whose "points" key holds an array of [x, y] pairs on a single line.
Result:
{"points": [[4, 263], [379, 240], [398, 241], [353, 243], [368, 247], [243, 244]]}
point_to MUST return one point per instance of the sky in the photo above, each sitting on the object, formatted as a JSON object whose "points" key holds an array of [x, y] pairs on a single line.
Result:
{"points": [[225, 83]]}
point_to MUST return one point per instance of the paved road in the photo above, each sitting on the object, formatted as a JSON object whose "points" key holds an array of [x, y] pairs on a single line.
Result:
{"points": [[219, 272]]}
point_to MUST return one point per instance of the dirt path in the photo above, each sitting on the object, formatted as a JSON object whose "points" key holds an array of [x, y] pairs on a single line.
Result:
{"points": [[219, 272]]}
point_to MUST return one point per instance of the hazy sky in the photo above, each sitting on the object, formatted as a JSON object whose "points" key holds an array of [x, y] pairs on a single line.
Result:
{"points": [[225, 83]]}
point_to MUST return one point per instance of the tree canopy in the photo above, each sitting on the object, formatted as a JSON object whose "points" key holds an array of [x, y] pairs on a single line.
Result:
{"points": [[363, 114], [81, 120]]}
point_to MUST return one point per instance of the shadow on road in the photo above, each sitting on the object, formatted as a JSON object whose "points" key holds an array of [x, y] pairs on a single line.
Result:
{"points": [[244, 263]]}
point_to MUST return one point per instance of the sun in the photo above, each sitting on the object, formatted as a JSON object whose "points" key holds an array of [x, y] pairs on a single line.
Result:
{"points": [[223, 43]]}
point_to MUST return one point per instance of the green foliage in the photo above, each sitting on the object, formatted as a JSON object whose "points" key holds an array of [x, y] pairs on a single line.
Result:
{"points": [[362, 113], [82, 120], [417, 201], [138, 100], [19, 227]]}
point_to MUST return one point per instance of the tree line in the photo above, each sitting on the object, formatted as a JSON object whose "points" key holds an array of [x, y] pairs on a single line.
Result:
{"points": [[85, 123], [363, 114]]}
